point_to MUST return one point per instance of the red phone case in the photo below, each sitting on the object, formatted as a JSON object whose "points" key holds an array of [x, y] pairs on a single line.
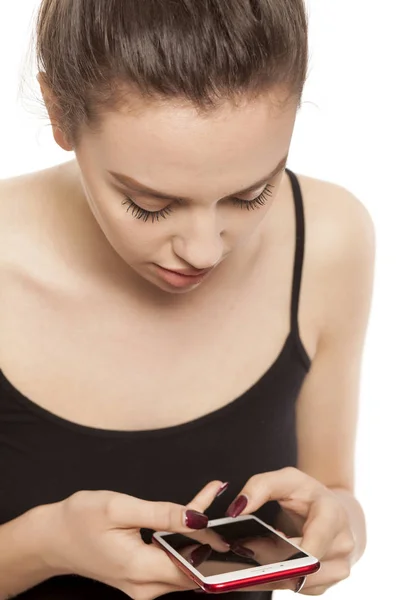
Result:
{"points": [[230, 586]]}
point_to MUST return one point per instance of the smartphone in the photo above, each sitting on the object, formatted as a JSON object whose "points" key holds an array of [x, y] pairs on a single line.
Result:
{"points": [[235, 553]]}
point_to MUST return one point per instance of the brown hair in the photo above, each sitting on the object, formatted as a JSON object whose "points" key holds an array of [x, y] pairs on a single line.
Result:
{"points": [[94, 53]]}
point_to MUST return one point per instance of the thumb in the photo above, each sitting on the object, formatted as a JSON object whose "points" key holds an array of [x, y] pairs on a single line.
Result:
{"points": [[128, 512]]}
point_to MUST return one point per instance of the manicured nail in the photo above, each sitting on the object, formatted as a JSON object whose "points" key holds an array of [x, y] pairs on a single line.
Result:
{"points": [[242, 551], [237, 506], [300, 584], [222, 489], [195, 520], [200, 554]]}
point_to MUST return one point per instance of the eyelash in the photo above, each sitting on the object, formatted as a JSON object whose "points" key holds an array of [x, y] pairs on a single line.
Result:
{"points": [[145, 215]]}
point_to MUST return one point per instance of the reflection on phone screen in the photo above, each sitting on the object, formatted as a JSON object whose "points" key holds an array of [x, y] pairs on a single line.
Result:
{"points": [[268, 548]]}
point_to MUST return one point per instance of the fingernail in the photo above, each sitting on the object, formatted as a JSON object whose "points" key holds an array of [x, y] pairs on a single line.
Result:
{"points": [[300, 584], [200, 554], [195, 520], [242, 550], [237, 506], [222, 489]]}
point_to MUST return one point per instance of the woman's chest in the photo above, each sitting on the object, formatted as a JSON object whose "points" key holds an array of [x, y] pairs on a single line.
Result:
{"points": [[105, 364], [44, 459]]}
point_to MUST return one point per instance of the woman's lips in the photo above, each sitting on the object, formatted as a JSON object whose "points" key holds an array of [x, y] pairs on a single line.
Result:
{"points": [[182, 278]]}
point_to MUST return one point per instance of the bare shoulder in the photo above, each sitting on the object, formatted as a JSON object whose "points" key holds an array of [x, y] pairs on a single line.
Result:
{"points": [[19, 194], [339, 226], [24, 190], [340, 255], [18, 220], [28, 218]]}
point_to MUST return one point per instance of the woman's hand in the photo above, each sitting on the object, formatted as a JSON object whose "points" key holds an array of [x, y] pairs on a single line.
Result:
{"points": [[96, 534], [322, 519]]}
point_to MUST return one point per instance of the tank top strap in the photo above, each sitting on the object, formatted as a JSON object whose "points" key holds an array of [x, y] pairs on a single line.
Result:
{"points": [[298, 260]]}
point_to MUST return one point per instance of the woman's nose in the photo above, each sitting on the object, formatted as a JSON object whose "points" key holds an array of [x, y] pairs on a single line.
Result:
{"points": [[201, 245]]}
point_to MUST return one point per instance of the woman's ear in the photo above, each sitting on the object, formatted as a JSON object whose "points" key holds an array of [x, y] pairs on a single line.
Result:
{"points": [[51, 106]]}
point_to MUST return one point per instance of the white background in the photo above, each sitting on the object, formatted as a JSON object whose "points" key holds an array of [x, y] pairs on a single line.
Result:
{"points": [[347, 132]]}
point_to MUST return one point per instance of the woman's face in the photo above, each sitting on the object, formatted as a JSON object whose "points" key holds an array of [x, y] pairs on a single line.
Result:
{"points": [[167, 185]]}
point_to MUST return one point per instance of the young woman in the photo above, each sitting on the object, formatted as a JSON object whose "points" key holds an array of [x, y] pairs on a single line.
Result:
{"points": [[179, 311]]}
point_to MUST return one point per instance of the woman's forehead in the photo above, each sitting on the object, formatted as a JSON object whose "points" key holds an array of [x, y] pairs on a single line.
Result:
{"points": [[177, 140]]}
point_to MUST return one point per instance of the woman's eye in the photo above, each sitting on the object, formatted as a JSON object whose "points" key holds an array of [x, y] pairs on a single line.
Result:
{"points": [[261, 199], [144, 215]]}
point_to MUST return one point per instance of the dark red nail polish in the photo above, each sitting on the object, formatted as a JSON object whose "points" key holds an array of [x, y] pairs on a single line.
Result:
{"points": [[237, 506], [300, 584], [222, 489], [195, 520], [200, 555], [242, 550]]}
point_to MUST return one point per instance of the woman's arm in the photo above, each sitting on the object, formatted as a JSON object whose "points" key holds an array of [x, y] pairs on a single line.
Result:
{"points": [[317, 498], [327, 409], [22, 552]]}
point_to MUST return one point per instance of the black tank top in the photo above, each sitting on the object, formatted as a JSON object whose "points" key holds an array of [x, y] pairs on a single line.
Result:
{"points": [[45, 458]]}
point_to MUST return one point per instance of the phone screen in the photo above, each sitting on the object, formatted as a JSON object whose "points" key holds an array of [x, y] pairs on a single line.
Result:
{"points": [[268, 548]]}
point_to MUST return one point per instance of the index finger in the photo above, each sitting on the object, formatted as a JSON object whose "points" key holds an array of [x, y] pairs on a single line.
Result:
{"points": [[128, 512], [285, 485], [207, 495]]}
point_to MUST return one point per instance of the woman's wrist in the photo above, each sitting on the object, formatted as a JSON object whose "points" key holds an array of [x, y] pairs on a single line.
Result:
{"points": [[25, 549], [42, 538]]}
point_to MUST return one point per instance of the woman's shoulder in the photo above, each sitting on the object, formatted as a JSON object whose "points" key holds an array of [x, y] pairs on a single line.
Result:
{"points": [[331, 200], [340, 251], [338, 224], [22, 194], [28, 189], [28, 218], [339, 255]]}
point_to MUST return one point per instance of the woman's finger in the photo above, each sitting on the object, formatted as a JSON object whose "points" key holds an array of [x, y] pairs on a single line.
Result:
{"points": [[187, 552], [199, 555], [152, 564], [281, 485], [321, 527], [301, 495], [330, 573], [128, 512], [341, 547], [207, 495]]}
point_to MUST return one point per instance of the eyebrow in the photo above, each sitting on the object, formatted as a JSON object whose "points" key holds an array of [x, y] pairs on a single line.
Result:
{"points": [[136, 186]]}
